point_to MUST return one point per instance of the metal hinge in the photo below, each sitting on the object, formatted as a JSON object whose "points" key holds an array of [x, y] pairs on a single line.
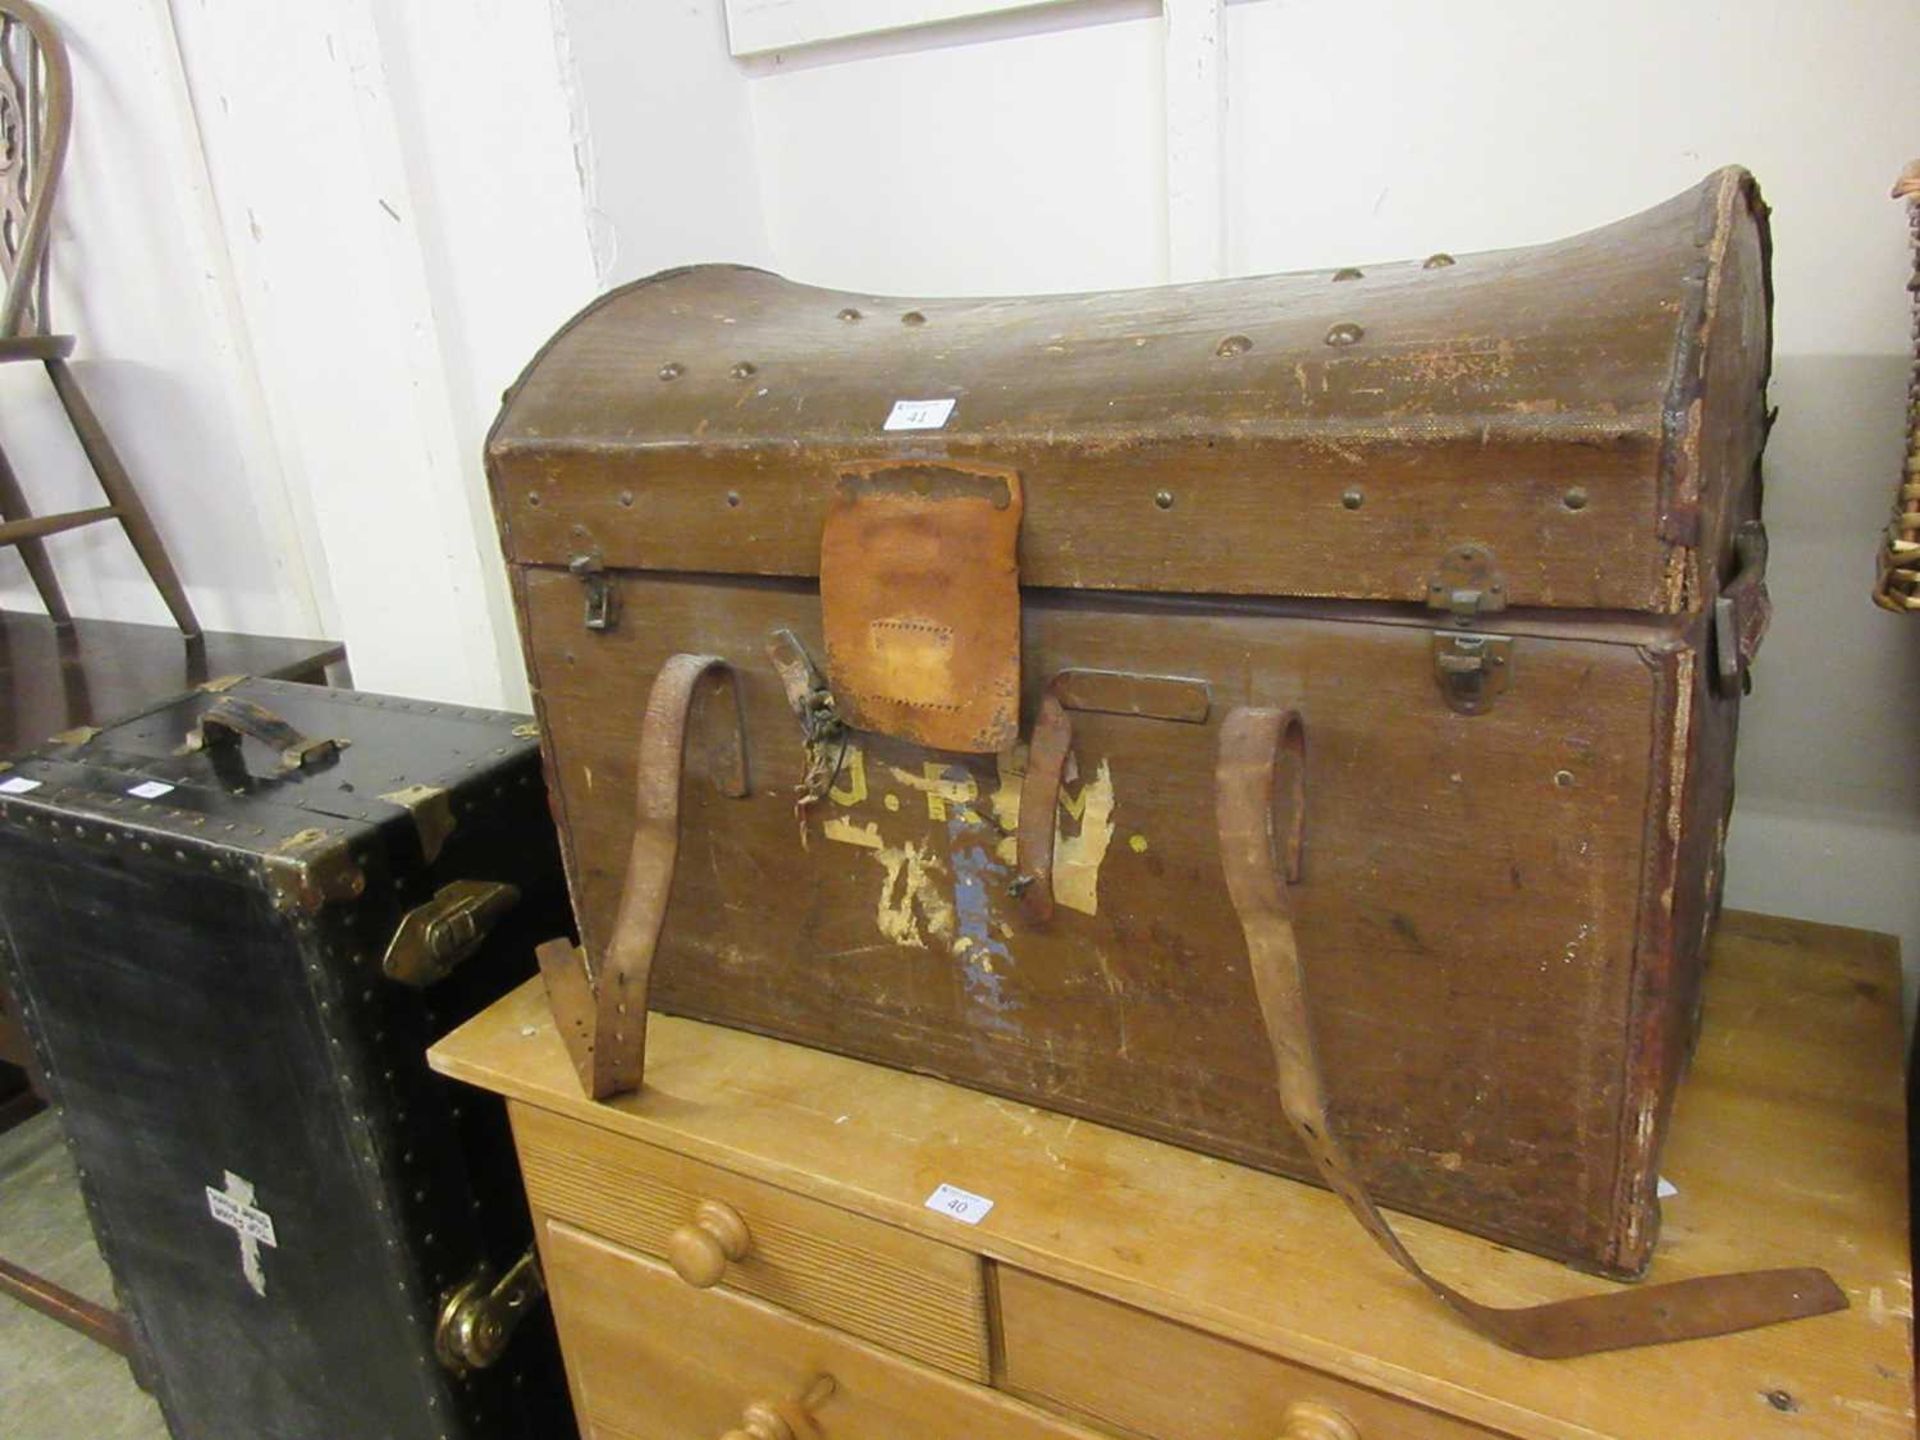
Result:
{"points": [[1470, 668], [479, 1318], [603, 596], [435, 937]]}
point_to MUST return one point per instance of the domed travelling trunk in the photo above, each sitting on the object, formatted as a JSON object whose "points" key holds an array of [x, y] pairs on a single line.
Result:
{"points": [[992, 577]]}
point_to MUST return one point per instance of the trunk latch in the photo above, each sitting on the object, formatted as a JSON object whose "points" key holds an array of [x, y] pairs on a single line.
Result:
{"points": [[1470, 668], [435, 937], [603, 600]]}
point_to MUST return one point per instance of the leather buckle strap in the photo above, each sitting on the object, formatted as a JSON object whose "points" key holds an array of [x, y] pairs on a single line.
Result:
{"points": [[1039, 800], [1260, 851], [602, 1013], [823, 732]]}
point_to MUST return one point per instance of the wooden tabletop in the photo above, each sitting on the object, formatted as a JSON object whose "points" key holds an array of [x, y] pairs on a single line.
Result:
{"points": [[53, 679], [1788, 1148]]}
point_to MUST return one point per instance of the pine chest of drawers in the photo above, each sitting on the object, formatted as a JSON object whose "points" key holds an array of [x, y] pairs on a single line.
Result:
{"points": [[746, 1250]]}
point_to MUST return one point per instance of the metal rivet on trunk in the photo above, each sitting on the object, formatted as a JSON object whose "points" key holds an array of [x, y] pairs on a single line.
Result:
{"points": [[626, 497], [733, 498], [913, 317], [1575, 499], [533, 499], [849, 315], [1164, 499], [1345, 333], [1439, 260], [1233, 345], [1352, 498], [1347, 272], [744, 370], [1563, 778], [672, 370]]}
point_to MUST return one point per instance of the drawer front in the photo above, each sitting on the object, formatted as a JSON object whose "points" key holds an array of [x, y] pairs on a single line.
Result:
{"points": [[909, 1294], [1124, 1367], [652, 1359]]}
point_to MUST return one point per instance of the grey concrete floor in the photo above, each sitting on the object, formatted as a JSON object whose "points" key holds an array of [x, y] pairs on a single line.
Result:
{"points": [[56, 1384]]}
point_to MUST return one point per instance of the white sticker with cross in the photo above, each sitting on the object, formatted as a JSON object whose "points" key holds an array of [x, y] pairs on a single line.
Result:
{"points": [[233, 1207]]}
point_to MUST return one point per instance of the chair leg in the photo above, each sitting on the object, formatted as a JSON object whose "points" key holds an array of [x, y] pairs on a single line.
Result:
{"points": [[121, 493], [13, 506]]}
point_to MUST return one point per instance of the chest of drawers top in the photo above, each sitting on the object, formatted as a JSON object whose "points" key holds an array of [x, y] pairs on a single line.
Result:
{"points": [[1788, 1148]]}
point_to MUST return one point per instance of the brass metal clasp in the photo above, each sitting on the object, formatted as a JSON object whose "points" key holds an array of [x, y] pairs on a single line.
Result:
{"points": [[435, 937], [1470, 668], [479, 1317], [1467, 585]]}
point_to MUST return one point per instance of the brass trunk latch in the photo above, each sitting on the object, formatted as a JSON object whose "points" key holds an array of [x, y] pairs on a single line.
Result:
{"points": [[1471, 668], [435, 937], [478, 1318]]}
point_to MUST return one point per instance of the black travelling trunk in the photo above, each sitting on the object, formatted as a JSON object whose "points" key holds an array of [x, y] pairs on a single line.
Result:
{"points": [[201, 912]]}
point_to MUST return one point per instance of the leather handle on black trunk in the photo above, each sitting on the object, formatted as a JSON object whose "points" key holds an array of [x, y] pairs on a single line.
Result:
{"points": [[230, 717], [1260, 852]]}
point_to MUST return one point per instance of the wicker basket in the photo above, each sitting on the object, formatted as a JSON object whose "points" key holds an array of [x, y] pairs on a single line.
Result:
{"points": [[1898, 586]]}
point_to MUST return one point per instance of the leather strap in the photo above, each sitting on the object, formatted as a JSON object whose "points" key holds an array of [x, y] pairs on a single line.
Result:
{"points": [[1253, 742], [1039, 800], [602, 1015], [1175, 698], [813, 705]]}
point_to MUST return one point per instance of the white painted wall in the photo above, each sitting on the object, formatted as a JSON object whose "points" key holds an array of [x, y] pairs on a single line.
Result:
{"points": [[318, 242], [1005, 155], [139, 273], [673, 170], [403, 213]]}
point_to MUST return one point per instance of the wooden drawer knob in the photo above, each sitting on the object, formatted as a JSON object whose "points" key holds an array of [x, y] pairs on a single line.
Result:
{"points": [[1306, 1420], [761, 1421], [699, 1252]]}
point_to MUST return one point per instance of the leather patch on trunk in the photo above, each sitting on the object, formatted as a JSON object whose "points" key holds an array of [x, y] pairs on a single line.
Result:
{"points": [[920, 602]]}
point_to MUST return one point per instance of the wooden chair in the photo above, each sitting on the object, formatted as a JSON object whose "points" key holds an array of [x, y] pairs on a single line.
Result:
{"points": [[36, 114]]}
